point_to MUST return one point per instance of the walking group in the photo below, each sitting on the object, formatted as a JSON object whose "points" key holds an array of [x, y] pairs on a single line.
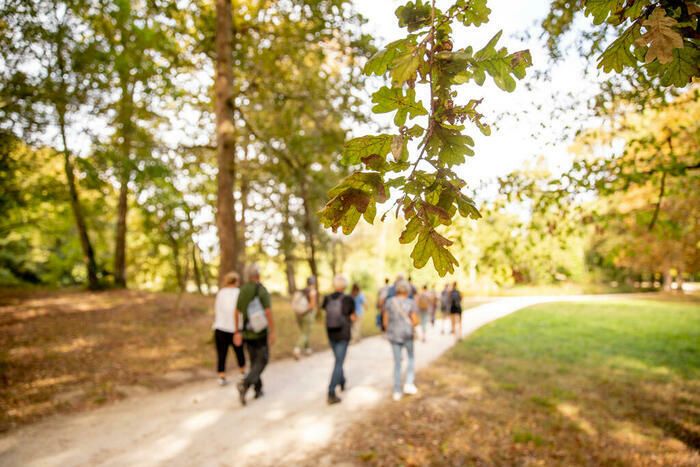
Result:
{"points": [[243, 319]]}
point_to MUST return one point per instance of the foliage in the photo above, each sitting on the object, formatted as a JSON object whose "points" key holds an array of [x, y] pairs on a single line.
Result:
{"points": [[431, 192]]}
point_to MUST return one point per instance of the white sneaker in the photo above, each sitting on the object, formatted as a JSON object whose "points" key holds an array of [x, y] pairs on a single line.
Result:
{"points": [[410, 389], [396, 396], [222, 381]]}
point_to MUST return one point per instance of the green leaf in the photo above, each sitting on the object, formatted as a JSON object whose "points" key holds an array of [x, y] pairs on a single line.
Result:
{"points": [[601, 9], [618, 54], [381, 61], [431, 244], [467, 207], [405, 67], [685, 65], [450, 145], [476, 14], [499, 65], [411, 231], [365, 146], [391, 99], [371, 212], [414, 16]]}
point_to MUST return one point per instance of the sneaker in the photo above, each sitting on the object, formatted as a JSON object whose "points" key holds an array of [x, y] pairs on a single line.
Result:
{"points": [[222, 381], [297, 353], [342, 386], [396, 396], [333, 399], [410, 389], [242, 389], [259, 394]]}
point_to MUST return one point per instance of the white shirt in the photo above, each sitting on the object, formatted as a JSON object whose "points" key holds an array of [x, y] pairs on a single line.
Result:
{"points": [[224, 307]]}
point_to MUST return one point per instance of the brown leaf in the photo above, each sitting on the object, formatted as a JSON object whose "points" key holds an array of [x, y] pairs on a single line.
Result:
{"points": [[660, 37]]}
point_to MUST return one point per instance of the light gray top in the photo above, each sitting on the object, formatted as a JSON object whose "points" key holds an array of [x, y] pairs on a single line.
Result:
{"points": [[399, 328]]}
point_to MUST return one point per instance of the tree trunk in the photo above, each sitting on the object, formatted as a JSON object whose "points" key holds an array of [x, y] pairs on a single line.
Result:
{"points": [[287, 251], [309, 233], [175, 247], [225, 139], [195, 269], [76, 206], [242, 224], [668, 281], [120, 241]]}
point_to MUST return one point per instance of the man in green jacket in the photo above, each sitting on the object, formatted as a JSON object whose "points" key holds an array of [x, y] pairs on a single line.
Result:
{"points": [[257, 341]]}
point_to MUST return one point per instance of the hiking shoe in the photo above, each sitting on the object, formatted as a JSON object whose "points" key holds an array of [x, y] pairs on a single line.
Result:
{"points": [[342, 386], [297, 353], [242, 389], [222, 381], [259, 394], [333, 399], [410, 389], [396, 396]]}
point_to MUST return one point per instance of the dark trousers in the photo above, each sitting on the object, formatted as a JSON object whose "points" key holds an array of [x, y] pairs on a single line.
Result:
{"points": [[223, 340], [340, 349], [259, 355]]}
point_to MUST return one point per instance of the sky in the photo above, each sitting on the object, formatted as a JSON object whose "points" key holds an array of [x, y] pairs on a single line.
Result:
{"points": [[528, 132]]}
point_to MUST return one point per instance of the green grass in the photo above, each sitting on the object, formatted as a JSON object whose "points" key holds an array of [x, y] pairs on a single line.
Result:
{"points": [[642, 336], [613, 382]]}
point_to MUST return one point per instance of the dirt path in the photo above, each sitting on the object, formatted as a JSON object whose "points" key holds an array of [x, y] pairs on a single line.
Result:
{"points": [[202, 424]]}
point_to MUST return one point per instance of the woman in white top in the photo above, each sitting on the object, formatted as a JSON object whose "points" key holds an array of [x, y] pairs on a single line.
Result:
{"points": [[225, 307]]}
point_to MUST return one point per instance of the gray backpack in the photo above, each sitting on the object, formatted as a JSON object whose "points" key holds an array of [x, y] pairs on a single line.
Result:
{"points": [[334, 313]]}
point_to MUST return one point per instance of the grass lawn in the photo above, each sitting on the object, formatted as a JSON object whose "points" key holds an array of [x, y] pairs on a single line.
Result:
{"points": [[614, 383], [64, 351]]}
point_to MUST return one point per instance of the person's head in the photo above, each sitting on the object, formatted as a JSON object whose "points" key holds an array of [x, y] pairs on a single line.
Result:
{"points": [[311, 281], [403, 288], [252, 273], [399, 278], [454, 286], [386, 281], [231, 279], [410, 281], [425, 287], [339, 283], [355, 291]]}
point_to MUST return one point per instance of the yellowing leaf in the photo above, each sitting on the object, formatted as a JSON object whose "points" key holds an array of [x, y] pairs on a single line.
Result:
{"points": [[431, 244], [660, 37]]}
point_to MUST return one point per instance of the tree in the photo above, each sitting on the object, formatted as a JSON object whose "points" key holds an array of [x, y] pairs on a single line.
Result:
{"points": [[50, 34], [431, 191]]}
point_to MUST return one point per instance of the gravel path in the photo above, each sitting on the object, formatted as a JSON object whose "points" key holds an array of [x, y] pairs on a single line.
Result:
{"points": [[202, 424]]}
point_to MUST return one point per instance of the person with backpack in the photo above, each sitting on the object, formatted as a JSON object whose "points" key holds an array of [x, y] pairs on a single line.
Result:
{"points": [[258, 330], [359, 298], [381, 298], [304, 304], [340, 314], [223, 326], [425, 302], [400, 319], [456, 311]]}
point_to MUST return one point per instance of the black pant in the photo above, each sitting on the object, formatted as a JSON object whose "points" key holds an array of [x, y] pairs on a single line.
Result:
{"points": [[223, 340], [259, 355]]}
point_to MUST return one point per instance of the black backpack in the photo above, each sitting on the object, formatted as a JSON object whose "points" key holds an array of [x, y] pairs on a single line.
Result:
{"points": [[334, 313]]}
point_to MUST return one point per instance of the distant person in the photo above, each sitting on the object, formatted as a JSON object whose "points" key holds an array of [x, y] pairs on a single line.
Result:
{"points": [[340, 314], [399, 320], [414, 291], [224, 326], [456, 311], [258, 330], [304, 304], [425, 303], [381, 298], [444, 307], [359, 298], [435, 305]]}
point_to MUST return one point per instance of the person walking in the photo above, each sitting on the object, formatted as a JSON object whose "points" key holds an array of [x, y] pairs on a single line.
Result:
{"points": [[456, 311], [381, 299], [435, 305], [399, 320], [359, 299], [445, 307], [258, 330], [340, 314], [425, 302], [223, 326], [304, 304]]}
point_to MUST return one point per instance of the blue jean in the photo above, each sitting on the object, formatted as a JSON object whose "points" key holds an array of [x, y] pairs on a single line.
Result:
{"points": [[397, 348], [340, 349]]}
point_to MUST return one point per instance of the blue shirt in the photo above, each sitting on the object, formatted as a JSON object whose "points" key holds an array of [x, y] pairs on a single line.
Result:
{"points": [[359, 304]]}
